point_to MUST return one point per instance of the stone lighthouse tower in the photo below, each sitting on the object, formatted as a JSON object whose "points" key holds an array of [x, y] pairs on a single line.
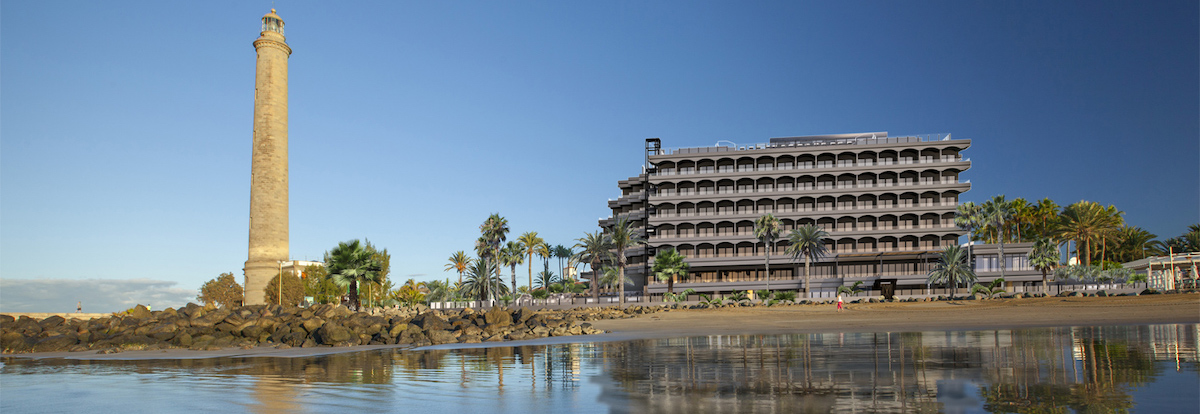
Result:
{"points": [[269, 167]]}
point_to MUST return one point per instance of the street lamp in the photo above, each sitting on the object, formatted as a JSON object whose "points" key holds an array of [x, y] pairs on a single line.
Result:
{"points": [[279, 299]]}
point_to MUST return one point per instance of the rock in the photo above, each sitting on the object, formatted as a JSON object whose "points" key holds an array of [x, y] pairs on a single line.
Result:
{"points": [[55, 343], [521, 315], [312, 325], [396, 330], [253, 331], [431, 321], [163, 332], [295, 339], [140, 312], [497, 316], [182, 339], [332, 333], [51, 322], [438, 336]]}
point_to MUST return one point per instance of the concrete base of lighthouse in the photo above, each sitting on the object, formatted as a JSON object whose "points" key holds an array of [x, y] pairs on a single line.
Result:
{"points": [[258, 275]]}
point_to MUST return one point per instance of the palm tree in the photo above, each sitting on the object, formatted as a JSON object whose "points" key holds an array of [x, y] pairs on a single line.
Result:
{"points": [[483, 282], [459, 261], [513, 255], [766, 230], [952, 269], [1021, 214], [668, 265], [807, 241], [545, 279], [544, 252], [1045, 257], [594, 248], [623, 237], [561, 252], [613, 277], [493, 232], [439, 291], [350, 263], [1046, 213], [1085, 221], [967, 216], [532, 244], [996, 213], [1131, 243]]}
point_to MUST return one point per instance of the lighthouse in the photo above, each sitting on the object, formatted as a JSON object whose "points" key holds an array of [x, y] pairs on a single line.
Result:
{"points": [[269, 166]]}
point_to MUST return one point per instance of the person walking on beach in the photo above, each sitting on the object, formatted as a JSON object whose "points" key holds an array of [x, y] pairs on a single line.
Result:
{"points": [[79, 307], [839, 302]]}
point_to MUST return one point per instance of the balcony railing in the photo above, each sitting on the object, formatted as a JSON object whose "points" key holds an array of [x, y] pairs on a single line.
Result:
{"points": [[805, 166]]}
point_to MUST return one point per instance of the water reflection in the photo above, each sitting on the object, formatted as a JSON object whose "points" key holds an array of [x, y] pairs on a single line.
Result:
{"points": [[1088, 369]]}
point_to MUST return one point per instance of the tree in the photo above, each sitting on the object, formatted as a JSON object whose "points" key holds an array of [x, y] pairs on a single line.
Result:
{"points": [[350, 264], [594, 248], [952, 268], [807, 241], [1021, 214], [668, 265], [1045, 257], [459, 261], [482, 282], [545, 279], [320, 286], [562, 252], [513, 255], [493, 233], [439, 291], [623, 237], [969, 217], [996, 213], [378, 288], [766, 230], [1046, 214], [1084, 222], [293, 290], [411, 293], [533, 245], [1131, 243], [612, 278], [223, 291]]}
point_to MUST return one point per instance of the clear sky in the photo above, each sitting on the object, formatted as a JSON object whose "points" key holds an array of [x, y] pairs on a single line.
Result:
{"points": [[125, 127]]}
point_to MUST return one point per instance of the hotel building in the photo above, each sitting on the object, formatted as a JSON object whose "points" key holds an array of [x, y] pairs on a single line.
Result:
{"points": [[888, 204]]}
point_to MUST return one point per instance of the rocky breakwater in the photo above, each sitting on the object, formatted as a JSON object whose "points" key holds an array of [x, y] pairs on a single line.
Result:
{"points": [[207, 328]]}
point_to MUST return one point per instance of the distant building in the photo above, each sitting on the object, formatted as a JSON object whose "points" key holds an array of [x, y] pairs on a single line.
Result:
{"points": [[888, 204], [297, 266], [1168, 272]]}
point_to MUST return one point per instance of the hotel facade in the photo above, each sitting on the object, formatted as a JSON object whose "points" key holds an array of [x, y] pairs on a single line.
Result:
{"points": [[888, 204]]}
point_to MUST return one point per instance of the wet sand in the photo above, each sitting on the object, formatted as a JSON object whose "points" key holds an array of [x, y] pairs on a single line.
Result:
{"points": [[870, 317]]}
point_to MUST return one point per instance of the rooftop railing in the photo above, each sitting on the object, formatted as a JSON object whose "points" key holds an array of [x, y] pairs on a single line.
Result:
{"points": [[792, 142]]}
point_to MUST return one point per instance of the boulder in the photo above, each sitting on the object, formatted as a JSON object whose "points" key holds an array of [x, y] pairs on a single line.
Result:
{"points": [[497, 316], [332, 333], [253, 331], [140, 312], [438, 336], [55, 343], [311, 325], [51, 322], [431, 321]]}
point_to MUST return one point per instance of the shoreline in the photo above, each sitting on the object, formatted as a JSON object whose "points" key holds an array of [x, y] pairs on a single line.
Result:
{"points": [[967, 315]]}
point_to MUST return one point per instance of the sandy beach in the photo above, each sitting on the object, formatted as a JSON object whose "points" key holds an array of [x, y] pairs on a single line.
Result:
{"points": [[916, 316], [865, 317]]}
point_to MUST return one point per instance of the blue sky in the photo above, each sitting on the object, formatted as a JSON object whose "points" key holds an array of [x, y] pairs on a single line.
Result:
{"points": [[125, 127]]}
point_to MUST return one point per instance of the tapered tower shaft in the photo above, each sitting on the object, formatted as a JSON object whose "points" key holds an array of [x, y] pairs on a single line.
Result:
{"points": [[269, 166]]}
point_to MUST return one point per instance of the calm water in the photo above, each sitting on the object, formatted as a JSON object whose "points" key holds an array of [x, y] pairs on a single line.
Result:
{"points": [[1084, 369]]}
